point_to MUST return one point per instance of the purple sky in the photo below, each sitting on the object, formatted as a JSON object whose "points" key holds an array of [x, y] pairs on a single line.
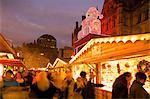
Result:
{"points": [[26, 20]]}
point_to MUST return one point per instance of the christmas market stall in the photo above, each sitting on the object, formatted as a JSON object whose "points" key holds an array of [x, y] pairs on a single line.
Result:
{"points": [[58, 71], [110, 57], [10, 61], [7, 56], [59, 67]]}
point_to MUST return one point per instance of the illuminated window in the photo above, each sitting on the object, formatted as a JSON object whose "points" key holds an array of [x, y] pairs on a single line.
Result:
{"points": [[52, 46], [53, 40]]}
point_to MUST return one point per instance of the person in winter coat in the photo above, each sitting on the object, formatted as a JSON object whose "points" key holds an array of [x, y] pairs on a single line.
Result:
{"points": [[121, 85], [67, 86], [9, 80], [81, 84], [136, 90], [90, 89], [19, 79], [42, 88]]}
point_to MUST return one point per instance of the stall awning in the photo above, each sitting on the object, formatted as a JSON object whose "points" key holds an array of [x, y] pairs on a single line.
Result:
{"points": [[4, 45], [101, 49], [11, 62]]}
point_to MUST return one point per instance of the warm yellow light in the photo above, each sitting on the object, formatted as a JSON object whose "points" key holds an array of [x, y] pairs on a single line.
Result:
{"points": [[118, 39], [125, 39], [133, 39], [142, 38], [1, 70], [1, 54], [111, 40], [105, 40], [10, 56]]}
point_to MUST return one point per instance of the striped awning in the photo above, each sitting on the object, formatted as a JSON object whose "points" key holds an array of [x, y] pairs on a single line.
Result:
{"points": [[11, 62]]}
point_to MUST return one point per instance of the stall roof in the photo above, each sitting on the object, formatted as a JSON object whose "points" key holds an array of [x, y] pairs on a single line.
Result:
{"points": [[4, 45], [59, 63], [11, 62], [49, 65], [117, 39]]}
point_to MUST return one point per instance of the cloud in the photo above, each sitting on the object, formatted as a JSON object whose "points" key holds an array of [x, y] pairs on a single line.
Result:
{"points": [[26, 20]]}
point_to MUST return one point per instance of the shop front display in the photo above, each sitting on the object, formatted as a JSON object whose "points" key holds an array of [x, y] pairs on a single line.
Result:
{"points": [[8, 57], [114, 56], [118, 67], [88, 68], [59, 67], [10, 63]]}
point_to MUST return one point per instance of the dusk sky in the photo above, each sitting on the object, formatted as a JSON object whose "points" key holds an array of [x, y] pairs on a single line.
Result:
{"points": [[26, 20]]}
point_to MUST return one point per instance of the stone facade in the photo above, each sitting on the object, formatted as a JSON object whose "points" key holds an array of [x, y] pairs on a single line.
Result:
{"points": [[123, 17], [120, 17]]}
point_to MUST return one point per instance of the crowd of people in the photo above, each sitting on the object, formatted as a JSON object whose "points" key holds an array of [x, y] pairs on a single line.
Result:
{"points": [[42, 85], [123, 89]]}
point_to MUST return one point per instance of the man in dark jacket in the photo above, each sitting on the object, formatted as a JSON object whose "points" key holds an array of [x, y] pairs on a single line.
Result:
{"points": [[137, 91]]}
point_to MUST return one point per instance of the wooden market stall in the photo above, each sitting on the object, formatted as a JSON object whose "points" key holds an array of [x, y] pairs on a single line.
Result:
{"points": [[4, 45], [111, 57], [58, 71], [59, 67], [8, 61], [7, 55]]}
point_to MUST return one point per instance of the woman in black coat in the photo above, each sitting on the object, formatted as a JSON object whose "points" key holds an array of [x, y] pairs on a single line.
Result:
{"points": [[120, 86]]}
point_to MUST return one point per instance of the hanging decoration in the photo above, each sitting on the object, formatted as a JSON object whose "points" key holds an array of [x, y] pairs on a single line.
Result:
{"points": [[118, 68], [103, 66], [143, 66], [127, 65]]}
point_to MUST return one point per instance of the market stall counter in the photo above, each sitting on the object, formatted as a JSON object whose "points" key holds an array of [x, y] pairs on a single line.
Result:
{"points": [[103, 93]]}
